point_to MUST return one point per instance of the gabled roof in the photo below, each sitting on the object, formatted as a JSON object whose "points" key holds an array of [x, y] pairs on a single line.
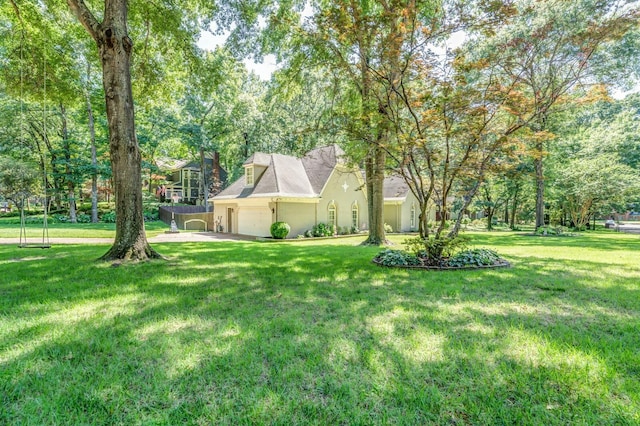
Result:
{"points": [[395, 188], [171, 164], [286, 176], [258, 159], [319, 163]]}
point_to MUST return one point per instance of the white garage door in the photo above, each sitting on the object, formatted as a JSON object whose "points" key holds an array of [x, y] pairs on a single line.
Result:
{"points": [[254, 221]]}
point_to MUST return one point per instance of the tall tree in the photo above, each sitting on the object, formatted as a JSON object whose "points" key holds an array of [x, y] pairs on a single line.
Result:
{"points": [[364, 42], [115, 49], [18, 180], [211, 110], [552, 45]]}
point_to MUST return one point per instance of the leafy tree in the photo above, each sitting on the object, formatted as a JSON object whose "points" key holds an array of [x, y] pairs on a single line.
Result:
{"points": [[593, 167], [110, 31], [298, 112], [213, 106], [552, 45], [18, 180], [492, 197], [590, 184], [363, 42]]}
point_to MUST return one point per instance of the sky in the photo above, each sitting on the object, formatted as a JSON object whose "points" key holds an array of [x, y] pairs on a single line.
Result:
{"points": [[264, 70]]}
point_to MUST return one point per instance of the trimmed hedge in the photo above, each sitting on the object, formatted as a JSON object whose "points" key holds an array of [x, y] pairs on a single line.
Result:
{"points": [[280, 230]]}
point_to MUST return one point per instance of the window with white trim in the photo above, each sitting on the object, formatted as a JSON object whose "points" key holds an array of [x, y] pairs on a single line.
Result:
{"points": [[331, 214], [355, 215], [248, 176]]}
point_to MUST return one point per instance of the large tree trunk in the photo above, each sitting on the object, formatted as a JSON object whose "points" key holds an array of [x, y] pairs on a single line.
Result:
{"points": [[374, 167], [115, 48]]}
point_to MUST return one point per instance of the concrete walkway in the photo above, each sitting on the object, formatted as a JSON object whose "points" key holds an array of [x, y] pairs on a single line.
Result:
{"points": [[182, 237]]}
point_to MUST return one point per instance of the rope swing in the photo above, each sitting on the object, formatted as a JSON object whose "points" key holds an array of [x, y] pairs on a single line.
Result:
{"points": [[45, 227]]}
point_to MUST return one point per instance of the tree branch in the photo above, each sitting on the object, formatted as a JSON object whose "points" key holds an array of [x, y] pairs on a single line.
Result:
{"points": [[86, 18]]}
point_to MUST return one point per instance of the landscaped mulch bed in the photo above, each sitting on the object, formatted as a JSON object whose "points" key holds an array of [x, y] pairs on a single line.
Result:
{"points": [[500, 264]]}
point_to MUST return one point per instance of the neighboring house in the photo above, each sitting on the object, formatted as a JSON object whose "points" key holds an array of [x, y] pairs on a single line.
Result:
{"points": [[401, 207], [183, 178], [319, 187]]}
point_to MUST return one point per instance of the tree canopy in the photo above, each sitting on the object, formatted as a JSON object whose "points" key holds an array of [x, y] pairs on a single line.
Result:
{"points": [[522, 97]]}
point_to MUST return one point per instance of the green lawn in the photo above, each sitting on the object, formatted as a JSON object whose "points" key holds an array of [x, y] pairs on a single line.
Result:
{"points": [[70, 230], [313, 332]]}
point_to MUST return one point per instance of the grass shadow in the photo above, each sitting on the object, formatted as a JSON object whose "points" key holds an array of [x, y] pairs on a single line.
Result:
{"points": [[315, 333]]}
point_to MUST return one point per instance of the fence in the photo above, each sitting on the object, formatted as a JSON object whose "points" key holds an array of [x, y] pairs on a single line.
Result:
{"points": [[187, 217]]}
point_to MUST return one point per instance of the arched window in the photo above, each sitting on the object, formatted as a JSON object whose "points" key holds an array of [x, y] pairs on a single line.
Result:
{"points": [[331, 215], [412, 219], [355, 215]]}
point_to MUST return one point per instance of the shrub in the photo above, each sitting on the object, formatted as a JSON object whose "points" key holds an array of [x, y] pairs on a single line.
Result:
{"points": [[390, 257], [388, 229], [83, 218], [60, 218], [436, 250], [475, 257], [551, 230], [14, 213], [34, 219], [280, 230], [108, 217], [322, 230], [150, 216]]}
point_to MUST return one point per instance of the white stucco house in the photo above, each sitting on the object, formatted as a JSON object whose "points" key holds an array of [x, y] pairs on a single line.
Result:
{"points": [[401, 207], [319, 187]]}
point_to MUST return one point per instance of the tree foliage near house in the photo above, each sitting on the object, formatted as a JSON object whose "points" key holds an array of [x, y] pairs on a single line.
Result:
{"points": [[460, 114]]}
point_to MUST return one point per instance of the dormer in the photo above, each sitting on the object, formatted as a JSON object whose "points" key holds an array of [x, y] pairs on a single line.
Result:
{"points": [[254, 167]]}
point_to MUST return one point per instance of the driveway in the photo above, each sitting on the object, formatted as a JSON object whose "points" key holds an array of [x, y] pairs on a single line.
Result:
{"points": [[630, 228]]}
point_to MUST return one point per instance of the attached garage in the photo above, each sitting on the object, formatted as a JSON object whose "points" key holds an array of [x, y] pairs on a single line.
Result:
{"points": [[254, 221]]}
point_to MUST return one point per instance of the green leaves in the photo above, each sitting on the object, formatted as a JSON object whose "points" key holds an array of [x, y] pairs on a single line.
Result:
{"points": [[18, 179]]}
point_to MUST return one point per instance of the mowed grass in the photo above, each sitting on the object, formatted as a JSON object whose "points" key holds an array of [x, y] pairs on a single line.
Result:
{"points": [[70, 230], [314, 333]]}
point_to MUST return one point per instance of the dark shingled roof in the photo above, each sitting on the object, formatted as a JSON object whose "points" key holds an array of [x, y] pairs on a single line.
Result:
{"points": [[288, 176], [259, 159], [395, 188], [319, 163]]}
